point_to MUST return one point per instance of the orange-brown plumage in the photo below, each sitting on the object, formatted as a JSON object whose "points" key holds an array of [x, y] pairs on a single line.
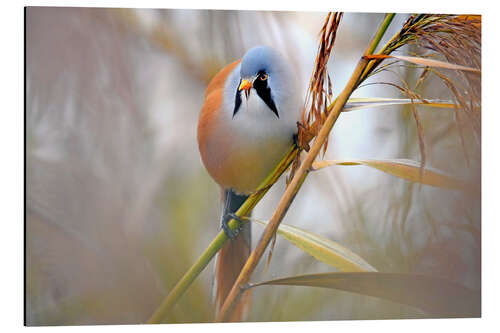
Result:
{"points": [[208, 131]]}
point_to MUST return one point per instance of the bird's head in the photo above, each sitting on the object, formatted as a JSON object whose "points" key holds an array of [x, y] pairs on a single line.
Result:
{"points": [[265, 74]]}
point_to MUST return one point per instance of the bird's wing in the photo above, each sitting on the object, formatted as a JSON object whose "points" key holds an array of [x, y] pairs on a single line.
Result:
{"points": [[208, 137]]}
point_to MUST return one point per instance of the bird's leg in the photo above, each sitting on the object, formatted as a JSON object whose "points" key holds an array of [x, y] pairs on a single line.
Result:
{"points": [[296, 140], [228, 216]]}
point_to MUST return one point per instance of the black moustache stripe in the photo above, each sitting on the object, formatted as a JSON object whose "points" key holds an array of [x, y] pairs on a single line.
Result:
{"points": [[264, 93], [237, 101]]}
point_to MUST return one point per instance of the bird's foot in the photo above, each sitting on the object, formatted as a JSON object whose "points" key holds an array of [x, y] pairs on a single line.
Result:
{"points": [[231, 234], [303, 142]]}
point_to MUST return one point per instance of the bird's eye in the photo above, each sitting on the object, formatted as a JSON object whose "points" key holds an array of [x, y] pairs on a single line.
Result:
{"points": [[263, 76]]}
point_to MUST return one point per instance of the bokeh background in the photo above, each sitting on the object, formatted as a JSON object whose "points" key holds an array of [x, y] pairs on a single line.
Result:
{"points": [[118, 204]]}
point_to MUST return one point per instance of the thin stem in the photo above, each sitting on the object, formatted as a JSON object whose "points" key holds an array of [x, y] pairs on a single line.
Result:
{"points": [[380, 33], [387, 20], [298, 179]]}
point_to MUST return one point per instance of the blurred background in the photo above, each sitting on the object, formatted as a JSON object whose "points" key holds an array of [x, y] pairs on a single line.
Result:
{"points": [[119, 205]]}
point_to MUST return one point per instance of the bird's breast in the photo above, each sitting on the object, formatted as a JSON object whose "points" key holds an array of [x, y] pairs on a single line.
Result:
{"points": [[240, 150]]}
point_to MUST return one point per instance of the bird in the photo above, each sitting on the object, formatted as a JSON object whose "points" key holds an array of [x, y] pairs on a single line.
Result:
{"points": [[247, 123]]}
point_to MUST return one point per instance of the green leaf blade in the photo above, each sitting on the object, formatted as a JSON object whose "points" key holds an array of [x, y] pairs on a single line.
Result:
{"points": [[323, 249]]}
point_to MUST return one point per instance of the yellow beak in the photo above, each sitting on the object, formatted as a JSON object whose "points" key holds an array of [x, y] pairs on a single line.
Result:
{"points": [[245, 85]]}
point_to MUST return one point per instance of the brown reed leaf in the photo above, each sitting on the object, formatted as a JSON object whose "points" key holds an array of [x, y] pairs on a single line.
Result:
{"points": [[434, 295], [425, 61], [405, 169]]}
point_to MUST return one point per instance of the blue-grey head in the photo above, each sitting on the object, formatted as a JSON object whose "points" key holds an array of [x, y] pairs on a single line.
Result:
{"points": [[267, 73]]}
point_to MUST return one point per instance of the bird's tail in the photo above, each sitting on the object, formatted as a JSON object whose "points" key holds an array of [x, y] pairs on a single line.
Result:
{"points": [[231, 259]]}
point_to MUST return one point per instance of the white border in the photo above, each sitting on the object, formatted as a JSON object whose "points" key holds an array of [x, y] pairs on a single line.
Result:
{"points": [[12, 173]]}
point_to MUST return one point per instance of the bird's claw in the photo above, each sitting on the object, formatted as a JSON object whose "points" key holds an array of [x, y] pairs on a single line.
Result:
{"points": [[307, 136], [231, 234]]}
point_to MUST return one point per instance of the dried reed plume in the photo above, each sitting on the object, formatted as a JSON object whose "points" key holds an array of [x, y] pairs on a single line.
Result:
{"points": [[320, 92], [319, 95], [452, 38]]}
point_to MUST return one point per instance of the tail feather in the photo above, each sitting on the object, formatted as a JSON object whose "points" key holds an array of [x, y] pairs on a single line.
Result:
{"points": [[231, 259]]}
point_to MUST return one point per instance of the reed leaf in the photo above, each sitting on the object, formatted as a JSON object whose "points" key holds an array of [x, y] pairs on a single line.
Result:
{"points": [[435, 296], [359, 103], [425, 62], [405, 169], [323, 249]]}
